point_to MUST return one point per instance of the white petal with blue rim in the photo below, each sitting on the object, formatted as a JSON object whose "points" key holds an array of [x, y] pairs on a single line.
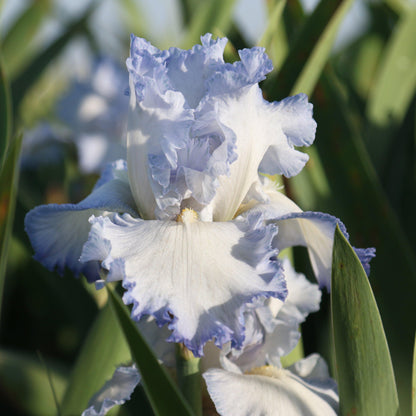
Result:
{"points": [[58, 232], [196, 276]]}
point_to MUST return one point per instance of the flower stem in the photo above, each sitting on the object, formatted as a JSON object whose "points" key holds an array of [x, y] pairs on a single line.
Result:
{"points": [[189, 377]]}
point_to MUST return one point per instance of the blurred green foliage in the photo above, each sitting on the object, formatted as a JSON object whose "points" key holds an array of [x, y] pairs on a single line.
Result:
{"points": [[361, 169]]}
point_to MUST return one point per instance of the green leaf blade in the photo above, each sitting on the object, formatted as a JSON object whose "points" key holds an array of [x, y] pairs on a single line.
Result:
{"points": [[356, 196], [35, 68], [24, 379], [18, 43], [283, 82], [365, 373], [274, 34], [392, 92], [104, 349], [5, 113], [311, 72], [216, 14], [396, 79], [9, 175], [154, 379]]}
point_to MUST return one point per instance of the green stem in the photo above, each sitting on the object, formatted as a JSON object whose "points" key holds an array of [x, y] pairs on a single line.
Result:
{"points": [[189, 378]]}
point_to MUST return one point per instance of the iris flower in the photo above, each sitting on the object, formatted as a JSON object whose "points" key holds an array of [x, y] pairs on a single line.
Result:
{"points": [[250, 381], [186, 224], [302, 389]]}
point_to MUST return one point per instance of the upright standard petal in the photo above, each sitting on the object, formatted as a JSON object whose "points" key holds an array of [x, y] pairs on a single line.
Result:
{"points": [[171, 156], [199, 128], [199, 277], [266, 133], [269, 391], [58, 232]]}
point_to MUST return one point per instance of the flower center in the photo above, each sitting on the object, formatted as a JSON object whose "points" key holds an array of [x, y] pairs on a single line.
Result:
{"points": [[187, 216]]}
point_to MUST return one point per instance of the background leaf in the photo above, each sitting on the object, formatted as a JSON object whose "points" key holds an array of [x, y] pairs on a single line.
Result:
{"points": [[356, 197], [9, 174], [209, 15], [25, 379], [35, 68], [393, 89], [104, 349], [364, 370], [18, 44], [282, 82], [274, 36], [311, 71], [154, 378], [5, 113]]}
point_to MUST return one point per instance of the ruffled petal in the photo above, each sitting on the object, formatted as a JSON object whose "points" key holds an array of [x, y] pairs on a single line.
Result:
{"points": [[294, 114], [154, 134], [229, 79], [199, 128], [272, 330], [195, 276], [303, 297], [365, 255], [171, 155], [113, 170], [277, 393], [265, 139], [261, 346], [156, 337], [313, 372], [312, 367], [314, 230], [58, 232], [115, 391], [189, 70]]}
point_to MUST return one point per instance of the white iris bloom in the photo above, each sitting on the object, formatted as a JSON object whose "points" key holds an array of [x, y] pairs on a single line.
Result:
{"points": [[252, 381], [177, 223]]}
